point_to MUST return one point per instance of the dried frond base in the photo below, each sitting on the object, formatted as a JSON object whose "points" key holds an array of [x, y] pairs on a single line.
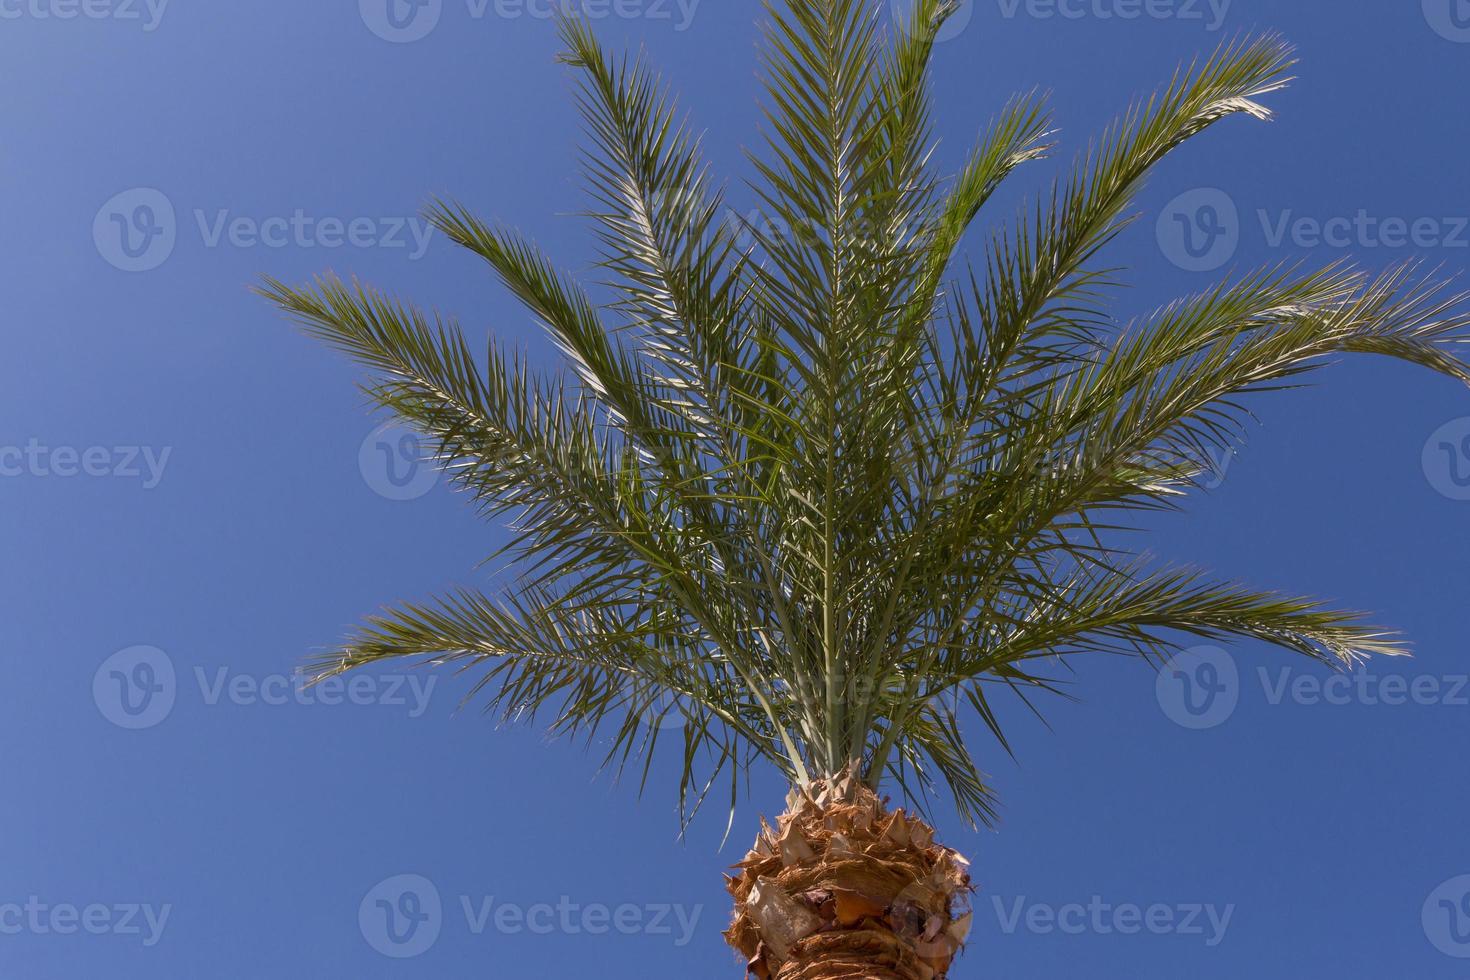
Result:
{"points": [[842, 889]]}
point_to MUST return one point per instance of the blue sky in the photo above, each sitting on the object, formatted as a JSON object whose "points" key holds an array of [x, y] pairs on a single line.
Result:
{"points": [[193, 497]]}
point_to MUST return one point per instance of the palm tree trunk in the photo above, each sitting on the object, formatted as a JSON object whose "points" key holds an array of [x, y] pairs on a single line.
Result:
{"points": [[843, 889]]}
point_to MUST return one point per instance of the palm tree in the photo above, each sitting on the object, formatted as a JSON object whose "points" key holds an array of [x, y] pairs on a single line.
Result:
{"points": [[817, 488]]}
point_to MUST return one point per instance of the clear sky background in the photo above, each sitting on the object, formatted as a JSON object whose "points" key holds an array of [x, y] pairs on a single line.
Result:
{"points": [[194, 498]]}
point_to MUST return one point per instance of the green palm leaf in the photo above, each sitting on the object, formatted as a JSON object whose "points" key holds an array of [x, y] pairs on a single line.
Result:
{"points": [[815, 492]]}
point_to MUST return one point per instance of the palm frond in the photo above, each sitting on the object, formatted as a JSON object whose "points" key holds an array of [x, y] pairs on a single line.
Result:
{"points": [[804, 499]]}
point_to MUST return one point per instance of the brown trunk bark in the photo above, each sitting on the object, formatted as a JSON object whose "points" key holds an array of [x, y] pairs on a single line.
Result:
{"points": [[843, 889]]}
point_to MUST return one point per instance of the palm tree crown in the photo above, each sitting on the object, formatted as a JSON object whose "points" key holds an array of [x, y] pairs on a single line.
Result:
{"points": [[816, 485]]}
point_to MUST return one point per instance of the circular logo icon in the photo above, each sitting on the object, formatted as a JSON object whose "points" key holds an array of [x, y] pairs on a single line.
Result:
{"points": [[1199, 230], [904, 11], [135, 231], [1446, 917], [1447, 459], [1199, 688], [393, 461], [662, 712], [1449, 18], [916, 912], [135, 688], [401, 21], [402, 917]]}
